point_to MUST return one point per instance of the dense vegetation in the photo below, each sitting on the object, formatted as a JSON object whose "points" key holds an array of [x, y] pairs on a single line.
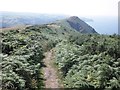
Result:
{"points": [[22, 54], [90, 62], [87, 61], [21, 60]]}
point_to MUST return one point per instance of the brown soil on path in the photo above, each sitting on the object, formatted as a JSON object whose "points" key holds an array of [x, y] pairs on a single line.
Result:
{"points": [[49, 72]]}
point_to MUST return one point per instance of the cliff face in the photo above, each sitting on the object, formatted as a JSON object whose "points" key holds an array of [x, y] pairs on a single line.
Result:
{"points": [[77, 24]]}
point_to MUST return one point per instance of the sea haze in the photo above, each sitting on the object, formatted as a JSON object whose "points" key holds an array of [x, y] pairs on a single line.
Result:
{"points": [[105, 25]]}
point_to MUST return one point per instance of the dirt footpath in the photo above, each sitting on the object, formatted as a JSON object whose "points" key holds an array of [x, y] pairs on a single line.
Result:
{"points": [[50, 73]]}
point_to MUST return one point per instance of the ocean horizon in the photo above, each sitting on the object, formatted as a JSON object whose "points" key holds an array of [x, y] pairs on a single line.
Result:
{"points": [[105, 25]]}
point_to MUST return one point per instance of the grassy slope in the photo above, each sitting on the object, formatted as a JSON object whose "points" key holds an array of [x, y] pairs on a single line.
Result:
{"points": [[19, 43]]}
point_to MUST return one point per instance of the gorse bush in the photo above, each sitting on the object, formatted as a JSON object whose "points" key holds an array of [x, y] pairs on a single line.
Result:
{"points": [[22, 54], [87, 61], [86, 66], [20, 67]]}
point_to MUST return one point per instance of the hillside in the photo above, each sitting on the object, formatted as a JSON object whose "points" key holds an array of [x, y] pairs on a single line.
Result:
{"points": [[15, 19], [76, 24], [85, 59]]}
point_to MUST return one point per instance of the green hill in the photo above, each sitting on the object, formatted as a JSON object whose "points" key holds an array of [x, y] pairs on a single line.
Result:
{"points": [[86, 60], [77, 24]]}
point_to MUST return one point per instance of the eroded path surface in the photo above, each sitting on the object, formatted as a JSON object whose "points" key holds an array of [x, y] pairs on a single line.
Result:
{"points": [[50, 74]]}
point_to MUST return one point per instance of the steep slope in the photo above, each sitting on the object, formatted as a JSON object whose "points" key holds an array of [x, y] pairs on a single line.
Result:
{"points": [[11, 19], [77, 24]]}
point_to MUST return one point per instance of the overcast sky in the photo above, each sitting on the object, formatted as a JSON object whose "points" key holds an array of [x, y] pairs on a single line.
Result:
{"points": [[69, 7]]}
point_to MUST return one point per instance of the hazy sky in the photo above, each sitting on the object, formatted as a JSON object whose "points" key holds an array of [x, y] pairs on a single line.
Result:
{"points": [[70, 7]]}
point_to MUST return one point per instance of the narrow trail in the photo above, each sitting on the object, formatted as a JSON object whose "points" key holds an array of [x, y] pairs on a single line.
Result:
{"points": [[49, 71]]}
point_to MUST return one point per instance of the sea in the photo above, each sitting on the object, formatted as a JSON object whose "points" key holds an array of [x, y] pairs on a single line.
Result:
{"points": [[105, 24]]}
